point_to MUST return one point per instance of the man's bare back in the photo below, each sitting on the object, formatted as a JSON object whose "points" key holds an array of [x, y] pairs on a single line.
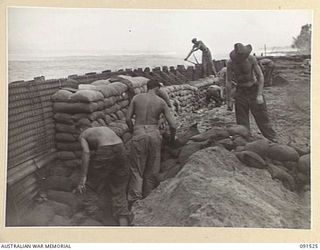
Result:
{"points": [[100, 136], [147, 108]]}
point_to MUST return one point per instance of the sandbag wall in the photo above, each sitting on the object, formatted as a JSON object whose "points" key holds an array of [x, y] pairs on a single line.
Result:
{"points": [[30, 140], [102, 103], [202, 86], [183, 98]]}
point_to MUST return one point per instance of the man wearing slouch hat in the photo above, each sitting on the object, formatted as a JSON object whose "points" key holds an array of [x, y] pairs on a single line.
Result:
{"points": [[244, 72]]}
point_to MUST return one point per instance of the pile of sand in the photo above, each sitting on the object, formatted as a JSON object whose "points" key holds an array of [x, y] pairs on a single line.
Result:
{"points": [[215, 189]]}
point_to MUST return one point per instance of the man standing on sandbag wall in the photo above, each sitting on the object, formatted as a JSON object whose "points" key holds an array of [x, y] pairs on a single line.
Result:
{"points": [[146, 109], [109, 161], [207, 63], [243, 68]]}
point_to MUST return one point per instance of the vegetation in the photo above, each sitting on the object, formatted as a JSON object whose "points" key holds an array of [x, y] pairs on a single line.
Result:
{"points": [[303, 41]]}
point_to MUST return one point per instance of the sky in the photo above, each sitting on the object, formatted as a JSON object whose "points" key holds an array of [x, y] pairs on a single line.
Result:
{"points": [[42, 32]]}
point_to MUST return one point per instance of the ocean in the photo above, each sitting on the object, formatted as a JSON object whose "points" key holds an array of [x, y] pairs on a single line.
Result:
{"points": [[61, 67]]}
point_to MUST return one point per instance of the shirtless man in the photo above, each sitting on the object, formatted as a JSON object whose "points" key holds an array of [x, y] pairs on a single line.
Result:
{"points": [[267, 66], [146, 140], [108, 161], [243, 71], [207, 63]]}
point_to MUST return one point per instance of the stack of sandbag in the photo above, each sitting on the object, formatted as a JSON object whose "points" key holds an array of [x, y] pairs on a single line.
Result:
{"points": [[71, 107], [101, 103], [282, 161], [183, 97], [202, 86]]}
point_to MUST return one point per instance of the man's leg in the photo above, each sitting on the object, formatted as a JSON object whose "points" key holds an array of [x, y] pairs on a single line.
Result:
{"points": [[138, 154], [153, 162], [259, 111], [242, 109], [118, 183]]}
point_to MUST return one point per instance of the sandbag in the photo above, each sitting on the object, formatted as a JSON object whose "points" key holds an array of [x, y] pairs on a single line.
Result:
{"points": [[120, 115], [62, 95], [68, 146], [78, 153], [184, 138], [304, 164], [137, 81], [72, 164], [87, 96], [239, 130], [215, 133], [190, 149], [302, 179], [107, 119], [281, 152], [95, 124], [260, 147], [87, 87], [66, 155], [96, 115], [124, 103], [112, 109], [226, 143], [79, 116], [101, 82], [102, 122], [74, 108], [108, 102], [291, 165], [66, 137], [239, 149], [58, 183], [64, 128], [67, 198], [84, 121], [251, 159], [63, 118], [239, 141], [60, 171], [280, 174]]}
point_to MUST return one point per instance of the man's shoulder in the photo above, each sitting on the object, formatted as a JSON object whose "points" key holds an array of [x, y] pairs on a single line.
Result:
{"points": [[229, 62], [252, 59]]}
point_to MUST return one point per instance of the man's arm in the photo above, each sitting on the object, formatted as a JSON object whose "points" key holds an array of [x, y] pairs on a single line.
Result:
{"points": [[85, 164], [129, 115], [171, 122], [194, 48], [229, 83], [259, 74]]}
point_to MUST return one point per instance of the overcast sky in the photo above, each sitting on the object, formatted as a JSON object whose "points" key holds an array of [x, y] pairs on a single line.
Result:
{"points": [[63, 32]]}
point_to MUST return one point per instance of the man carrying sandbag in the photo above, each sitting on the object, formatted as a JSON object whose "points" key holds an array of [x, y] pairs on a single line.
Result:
{"points": [[146, 109], [243, 68], [108, 161]]}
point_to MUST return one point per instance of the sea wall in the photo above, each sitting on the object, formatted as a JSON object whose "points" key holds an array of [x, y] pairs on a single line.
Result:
{"points": [[32, 142]]}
